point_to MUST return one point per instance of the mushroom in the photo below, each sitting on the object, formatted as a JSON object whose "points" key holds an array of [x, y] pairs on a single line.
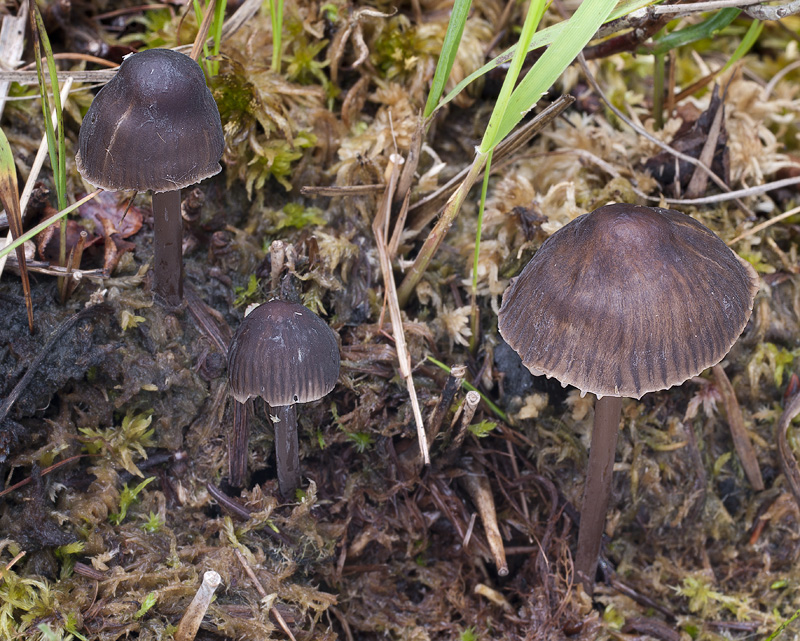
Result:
{"points": [[154, 126], [286, 354], [620, 302]]}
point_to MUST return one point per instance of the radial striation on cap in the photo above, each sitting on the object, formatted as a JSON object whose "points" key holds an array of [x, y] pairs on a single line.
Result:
{"points": [[284, 353], [628, 300], [154, 126]]}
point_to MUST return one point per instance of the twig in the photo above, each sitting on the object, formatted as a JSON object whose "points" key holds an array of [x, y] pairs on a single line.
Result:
{"points": [[44, 472], [202, 32], [85, 57], [766, 12], [100, 76], [11, 563], [341, 190], [756, 190], [765, 224], [770, 86], [696, 7], [262, 592]]}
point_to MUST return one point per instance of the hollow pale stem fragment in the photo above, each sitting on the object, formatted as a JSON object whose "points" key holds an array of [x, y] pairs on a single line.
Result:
{"points": [[168, 248], [190, 623], [477, 485], [597, 490]]}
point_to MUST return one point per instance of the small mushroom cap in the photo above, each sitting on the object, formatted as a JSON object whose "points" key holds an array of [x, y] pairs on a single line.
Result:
{"points": [[628, 300], [284, 353], [154, 126]]}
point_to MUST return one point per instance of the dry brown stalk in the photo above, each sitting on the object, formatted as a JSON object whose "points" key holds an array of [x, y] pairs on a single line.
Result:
{"points": [[380, 229], [741, 440]]}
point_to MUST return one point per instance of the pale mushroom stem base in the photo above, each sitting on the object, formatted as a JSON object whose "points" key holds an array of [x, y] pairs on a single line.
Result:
{"points": [[168, 248], [597, 490], [287, 448]]}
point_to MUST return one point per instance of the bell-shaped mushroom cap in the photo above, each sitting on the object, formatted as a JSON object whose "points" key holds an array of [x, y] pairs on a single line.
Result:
{"points": [[154, 126], [628, 300], [284, 353]]}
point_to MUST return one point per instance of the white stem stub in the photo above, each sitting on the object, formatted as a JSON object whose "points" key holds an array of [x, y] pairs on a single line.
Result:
{"points": [[190, 623]]}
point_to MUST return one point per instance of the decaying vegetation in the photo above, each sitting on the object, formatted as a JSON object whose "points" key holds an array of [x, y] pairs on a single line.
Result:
{"points": [[115, 414]]}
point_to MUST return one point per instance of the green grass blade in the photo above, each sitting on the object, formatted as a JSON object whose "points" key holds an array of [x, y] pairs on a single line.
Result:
{"points": [[55, 141], [783, 626], [700, 31], [475, 312], [750, 38], [540, 39], [559, 55], [198, 16], [46, 223], [455, 29], [276, 16], [491, 137], [216, 31]]}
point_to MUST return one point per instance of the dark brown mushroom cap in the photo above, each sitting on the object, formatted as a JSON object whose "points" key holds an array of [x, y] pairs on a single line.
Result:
{"points": [[628, 300], [284, 353], [154, 126]]}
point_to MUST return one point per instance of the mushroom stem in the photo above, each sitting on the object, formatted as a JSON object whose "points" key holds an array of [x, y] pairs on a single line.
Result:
{"points": [[238, 440], [168, 250], [597, 489], [287, 456]]}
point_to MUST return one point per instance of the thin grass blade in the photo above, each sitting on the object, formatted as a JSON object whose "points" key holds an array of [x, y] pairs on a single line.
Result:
{"points": [[276, 16], [532, 19], [452, 38], [9, 197], [747, 42], [701, 31], [540, 39], [581, 27], [45, 224]]}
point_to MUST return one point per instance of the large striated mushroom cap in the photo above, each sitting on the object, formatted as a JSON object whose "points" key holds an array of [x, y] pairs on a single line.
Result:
{"points": [[284, 353], [154, 126], [628, 300]]}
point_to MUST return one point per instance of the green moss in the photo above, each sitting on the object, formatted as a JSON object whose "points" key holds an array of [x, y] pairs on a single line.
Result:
{"points": [[397, 48], [298, 216], [127, 497], [122, 444]]}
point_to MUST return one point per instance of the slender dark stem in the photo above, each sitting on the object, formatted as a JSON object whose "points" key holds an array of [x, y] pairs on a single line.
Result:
{"points": [[168, 249], [287, 456], [597, 490], [451, 386], [238, 443]]}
